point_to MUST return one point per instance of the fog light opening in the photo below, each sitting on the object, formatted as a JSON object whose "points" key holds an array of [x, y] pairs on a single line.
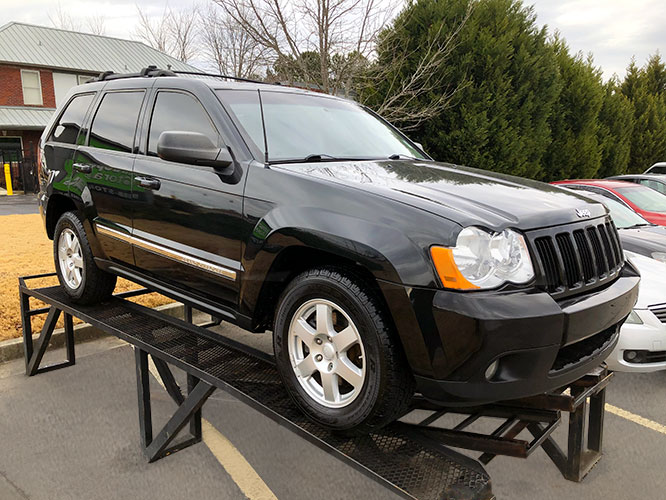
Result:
{"points": [[492, 369], [630, 355]]}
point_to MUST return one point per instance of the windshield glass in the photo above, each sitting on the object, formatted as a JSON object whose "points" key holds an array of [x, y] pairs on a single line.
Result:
{"points": [[623, 216], [644, 198], [300, 125]]}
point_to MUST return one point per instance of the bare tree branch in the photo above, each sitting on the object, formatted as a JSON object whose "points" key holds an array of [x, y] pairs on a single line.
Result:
{"points": [[406, 98], [96, 25], [329, 30], [233, 50]]}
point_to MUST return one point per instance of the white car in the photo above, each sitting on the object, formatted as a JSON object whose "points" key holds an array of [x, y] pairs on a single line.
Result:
{"points": [[642, 345]]}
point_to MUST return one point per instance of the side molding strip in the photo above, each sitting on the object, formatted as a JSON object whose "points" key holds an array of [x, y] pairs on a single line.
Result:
{"points": [[168, 252]]}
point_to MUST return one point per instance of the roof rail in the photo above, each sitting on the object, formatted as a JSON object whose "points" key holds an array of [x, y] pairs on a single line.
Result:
{"points": [[235, 78], [149, 72]]}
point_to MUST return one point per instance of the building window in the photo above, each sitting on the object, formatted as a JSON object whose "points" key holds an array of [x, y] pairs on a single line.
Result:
{"points": [[32, 87]]}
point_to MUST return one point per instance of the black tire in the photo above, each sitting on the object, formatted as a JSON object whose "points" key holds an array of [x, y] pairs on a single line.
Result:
{"points": [[95, 285], [388, 385]]}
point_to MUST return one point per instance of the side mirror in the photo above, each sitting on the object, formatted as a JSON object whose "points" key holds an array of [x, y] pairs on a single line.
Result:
{"points": [[192, 148]]}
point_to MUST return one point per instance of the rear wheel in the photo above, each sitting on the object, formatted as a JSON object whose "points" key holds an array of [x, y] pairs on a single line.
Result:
{"points": [[75, 266], [337, 353]]}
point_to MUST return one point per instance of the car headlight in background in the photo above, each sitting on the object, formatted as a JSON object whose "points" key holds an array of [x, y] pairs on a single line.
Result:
{"points": [[483, 260], [660, 256]]}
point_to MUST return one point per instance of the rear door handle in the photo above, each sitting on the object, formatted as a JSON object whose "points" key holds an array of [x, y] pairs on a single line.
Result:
{"points": [[148, 182], [83, 168]]}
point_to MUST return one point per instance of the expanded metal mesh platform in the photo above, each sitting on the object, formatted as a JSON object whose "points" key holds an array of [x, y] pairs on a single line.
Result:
{"points": [[395, 456]]}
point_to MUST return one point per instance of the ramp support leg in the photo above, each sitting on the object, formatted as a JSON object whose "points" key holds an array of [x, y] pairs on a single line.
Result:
{"points": [[582, 454], [189, 408], [33, 354]]}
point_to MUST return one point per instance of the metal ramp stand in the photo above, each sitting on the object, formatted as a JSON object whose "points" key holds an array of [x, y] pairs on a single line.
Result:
{"points": [[394, 456], [412, 459]]}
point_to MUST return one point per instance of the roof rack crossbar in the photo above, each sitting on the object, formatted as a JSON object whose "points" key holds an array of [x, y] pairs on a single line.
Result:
{"points": [[235, 78], [148, 72]]}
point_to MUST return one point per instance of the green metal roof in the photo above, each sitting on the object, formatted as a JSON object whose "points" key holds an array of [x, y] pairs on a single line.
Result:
{"points": [[14, 117], [32, 45]]}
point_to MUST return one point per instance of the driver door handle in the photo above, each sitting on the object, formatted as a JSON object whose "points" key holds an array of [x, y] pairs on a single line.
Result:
{"points": [[148, 182], [83, 168]]}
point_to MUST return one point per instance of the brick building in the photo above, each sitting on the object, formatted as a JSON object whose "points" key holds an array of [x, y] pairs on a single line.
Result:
{"points": [[39, 65]]}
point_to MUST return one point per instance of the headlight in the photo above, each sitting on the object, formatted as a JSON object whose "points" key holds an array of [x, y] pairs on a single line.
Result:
{"points": [[483, 260], [660, 256], [634, 319]]}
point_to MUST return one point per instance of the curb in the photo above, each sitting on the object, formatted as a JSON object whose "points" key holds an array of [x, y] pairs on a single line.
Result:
{"points": [[13, 348]]}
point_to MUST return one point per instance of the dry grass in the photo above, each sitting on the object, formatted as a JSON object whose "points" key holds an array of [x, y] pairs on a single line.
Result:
{"points": [[27, 250]]}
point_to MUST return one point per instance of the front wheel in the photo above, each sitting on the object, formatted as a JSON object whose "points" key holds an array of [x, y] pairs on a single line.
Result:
{"points": [[75, 266], [337, 353]]}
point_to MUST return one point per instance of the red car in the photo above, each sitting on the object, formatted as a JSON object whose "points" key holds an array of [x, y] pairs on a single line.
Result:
{"points": [[641, 199]]}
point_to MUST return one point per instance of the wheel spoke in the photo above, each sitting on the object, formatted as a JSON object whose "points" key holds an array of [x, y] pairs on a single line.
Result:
{"points": [[304, 332], [306, 367], [78, 261], [350, 372], [77, 276], [70, 241], [345, 339], [329, 382], [324, 319]]}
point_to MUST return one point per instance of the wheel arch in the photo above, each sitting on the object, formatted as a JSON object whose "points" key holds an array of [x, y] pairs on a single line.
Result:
{"points": [[58, 204]]}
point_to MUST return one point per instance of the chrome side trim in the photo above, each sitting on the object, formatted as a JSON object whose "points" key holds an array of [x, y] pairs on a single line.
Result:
{"points": [[113, 233], [168, 253]]}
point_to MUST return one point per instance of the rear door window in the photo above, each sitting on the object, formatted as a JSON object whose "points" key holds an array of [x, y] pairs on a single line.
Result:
{"points": [[114, 125], [71, 121], [176, 111]]}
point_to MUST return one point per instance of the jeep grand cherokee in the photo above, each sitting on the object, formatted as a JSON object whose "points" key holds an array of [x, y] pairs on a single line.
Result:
{"points": [[380, 271]]}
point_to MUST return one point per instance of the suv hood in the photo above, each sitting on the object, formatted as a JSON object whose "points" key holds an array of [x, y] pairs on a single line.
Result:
{"points": [[465, 195]]}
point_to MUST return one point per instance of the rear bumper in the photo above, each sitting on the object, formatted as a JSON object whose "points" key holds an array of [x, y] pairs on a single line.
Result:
{"points": [[538, 343]]}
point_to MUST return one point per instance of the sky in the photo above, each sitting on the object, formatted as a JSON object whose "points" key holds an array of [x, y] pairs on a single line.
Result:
{"points": [[613, 30]]}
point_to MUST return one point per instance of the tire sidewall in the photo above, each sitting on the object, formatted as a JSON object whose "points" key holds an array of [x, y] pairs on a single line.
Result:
{"points": [[319, 287], [65, 222]]}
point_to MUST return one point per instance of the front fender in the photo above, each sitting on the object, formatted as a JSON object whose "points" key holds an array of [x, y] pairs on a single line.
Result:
{"points": [[383, 250]]}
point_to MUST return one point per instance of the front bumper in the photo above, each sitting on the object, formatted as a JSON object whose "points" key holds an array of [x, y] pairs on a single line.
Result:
{"points": [[540, 344], [648, 339]]}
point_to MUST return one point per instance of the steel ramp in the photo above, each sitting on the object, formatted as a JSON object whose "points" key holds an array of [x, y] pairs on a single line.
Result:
{"points": [[394, 456]]}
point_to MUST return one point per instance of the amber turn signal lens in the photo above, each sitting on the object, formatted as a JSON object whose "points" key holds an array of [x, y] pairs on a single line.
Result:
{"points": [[448, 271]]}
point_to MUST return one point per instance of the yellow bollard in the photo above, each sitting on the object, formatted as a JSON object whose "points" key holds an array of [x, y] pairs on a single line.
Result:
{"points": [[8, 179]]}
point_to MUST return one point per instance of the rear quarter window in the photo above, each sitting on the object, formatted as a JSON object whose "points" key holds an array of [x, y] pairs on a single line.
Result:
{"points": [[71, 121], [114, 125]]}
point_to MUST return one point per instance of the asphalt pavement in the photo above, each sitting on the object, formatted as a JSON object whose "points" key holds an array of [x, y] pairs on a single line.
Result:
{"points": [[73, 434], [19, 204]]}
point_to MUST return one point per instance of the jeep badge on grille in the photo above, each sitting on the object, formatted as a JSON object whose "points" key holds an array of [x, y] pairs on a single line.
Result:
{"points": [[583, 212]]}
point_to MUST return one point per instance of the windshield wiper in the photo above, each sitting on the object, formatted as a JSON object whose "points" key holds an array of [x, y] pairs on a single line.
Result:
{"points": [[319, 157]]}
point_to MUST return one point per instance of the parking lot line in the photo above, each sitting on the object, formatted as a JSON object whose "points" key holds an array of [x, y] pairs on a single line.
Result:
{"points": [[637, 419], [239, 469]]}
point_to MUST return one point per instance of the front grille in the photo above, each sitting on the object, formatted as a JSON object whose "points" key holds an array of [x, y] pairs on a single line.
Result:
{"points": [[659, 311], [572, 258]]}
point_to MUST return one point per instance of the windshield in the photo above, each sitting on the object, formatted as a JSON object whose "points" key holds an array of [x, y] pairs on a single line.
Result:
{"points": [[622, 216], [644, 198], [299, 126]]}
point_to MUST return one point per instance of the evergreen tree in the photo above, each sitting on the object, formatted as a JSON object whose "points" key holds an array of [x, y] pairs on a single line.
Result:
{"points": [[504, 76], [574, 150], [616, 124], [646, 88]]}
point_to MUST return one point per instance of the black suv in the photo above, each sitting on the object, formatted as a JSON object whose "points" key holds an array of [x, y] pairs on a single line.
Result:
{"points": [[380, 271]]}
